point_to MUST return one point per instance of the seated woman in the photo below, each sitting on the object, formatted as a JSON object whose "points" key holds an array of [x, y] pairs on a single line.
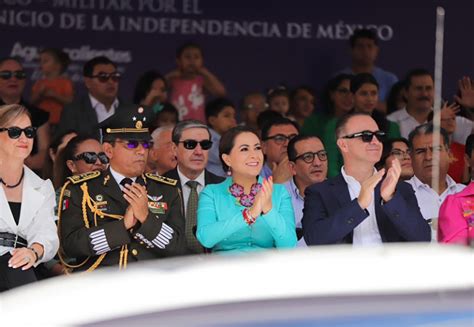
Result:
{"points": [[28, 234], [396, 148], [456, 218], [244, 213]]}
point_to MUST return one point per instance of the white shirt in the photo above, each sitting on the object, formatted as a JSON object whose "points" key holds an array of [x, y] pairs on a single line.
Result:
{"points": [[100, 110], [464, 126], [298, 204], [186, 189], [118, 177], [367, 232]]}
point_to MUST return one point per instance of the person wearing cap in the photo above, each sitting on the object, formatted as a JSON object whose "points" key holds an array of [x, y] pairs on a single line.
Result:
{"points": [[120, 215]]}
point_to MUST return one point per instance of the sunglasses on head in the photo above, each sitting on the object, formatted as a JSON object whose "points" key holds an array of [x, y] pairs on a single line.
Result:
{"points": [[133, 144], [192, 144], [91, 157], [367, 136], [15, 132], [7, 74], [104, 77]]}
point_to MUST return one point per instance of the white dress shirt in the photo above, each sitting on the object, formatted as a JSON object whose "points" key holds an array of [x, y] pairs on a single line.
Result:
{"points": [[367, 232], [298, 204], [464, 126], [186, 189], [101, 111]]}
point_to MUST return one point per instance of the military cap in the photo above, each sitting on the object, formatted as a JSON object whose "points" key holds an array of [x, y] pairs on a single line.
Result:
{"points": [[128, 124]]}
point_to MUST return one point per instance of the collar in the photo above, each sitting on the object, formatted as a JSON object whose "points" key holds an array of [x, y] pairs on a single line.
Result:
{"points": [[118, 177], [295, 189], [348, 178], [200, 179], [450, 183], [95, 102]]}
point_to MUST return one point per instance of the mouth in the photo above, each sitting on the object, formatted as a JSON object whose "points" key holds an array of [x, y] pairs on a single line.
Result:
{"points": [[253, 164]]}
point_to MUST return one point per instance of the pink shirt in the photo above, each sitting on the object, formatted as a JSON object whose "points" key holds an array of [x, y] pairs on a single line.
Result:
{"points": [[187, 95], [456, 217]]}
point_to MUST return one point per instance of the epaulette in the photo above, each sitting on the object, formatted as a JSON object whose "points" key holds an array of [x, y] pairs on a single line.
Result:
{"points": [[162, 179], [84, 177]]}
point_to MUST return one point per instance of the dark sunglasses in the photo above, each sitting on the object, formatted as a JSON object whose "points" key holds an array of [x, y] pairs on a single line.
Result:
{"points": [[308, 157], [280, 138], [15, 132], [91, 157], [7, 74], [192, 144], [367, 136], [133, 144], [104, 77]]}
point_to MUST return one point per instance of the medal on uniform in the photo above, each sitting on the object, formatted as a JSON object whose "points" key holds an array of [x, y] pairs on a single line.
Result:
{"points": [[157, 207]]}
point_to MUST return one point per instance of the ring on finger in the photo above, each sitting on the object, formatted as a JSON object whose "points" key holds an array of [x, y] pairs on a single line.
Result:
{"points": [[26, 259]]}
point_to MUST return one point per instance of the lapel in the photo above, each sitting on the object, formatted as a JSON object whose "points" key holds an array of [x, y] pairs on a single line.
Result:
{"points": [[32, 198], [174, 174], [112, 189], [340, 191], [5, 212], [90, 112]]}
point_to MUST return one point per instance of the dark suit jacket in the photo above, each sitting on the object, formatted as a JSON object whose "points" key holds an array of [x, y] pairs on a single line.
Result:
{"points": [[329, 215], [79, 116]]}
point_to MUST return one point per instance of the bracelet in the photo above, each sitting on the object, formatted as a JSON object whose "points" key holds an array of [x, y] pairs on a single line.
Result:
{"points": [[36, 254], [248, 217]]}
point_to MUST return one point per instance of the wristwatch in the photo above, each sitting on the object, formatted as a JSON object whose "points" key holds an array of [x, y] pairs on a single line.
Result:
{"points": [[36, 254]]}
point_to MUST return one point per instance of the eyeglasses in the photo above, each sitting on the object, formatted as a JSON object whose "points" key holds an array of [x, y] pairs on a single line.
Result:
{"points": [[133, 144], [308, 157], [15, 132], [401, 154], [280, 138], [192, 144], [367, 136], [7, 74], [104, 77], [91, 157]]}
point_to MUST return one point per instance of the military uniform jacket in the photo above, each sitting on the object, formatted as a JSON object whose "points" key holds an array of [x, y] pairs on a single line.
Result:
{"points": [[91, 226]]}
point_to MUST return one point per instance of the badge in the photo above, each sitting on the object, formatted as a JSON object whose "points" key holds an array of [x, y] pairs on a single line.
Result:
{"points": [[67, 193], [157, 207], [155, 198], [65, 204], [99, 198], [102, 205]]}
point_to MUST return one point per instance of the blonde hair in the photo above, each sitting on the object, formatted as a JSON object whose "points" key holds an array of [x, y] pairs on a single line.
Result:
{"points": [[10, 112]]}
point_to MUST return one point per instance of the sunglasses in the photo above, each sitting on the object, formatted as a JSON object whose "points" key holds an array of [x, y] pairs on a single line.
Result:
{"points": [[7, 74], [308, 157], [15, 132], [104, 77], [280, 138], [192, 144], [133, 144], [367, 136], [91, 157]]}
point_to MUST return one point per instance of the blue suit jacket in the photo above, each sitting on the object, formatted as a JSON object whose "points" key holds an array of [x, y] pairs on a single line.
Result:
{"points": [[330, 216]]}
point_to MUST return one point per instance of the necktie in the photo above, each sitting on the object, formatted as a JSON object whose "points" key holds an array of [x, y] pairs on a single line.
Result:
{"points": [[191, 218], [126, 181]]}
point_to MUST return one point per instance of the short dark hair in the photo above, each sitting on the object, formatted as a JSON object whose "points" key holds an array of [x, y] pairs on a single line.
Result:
{"points": [[292, 144], [427, 129], [361, 79], [342, 122], [227, 141], [184, 125], [187, 45], [387, 149], [415, 73], [306, 88], [89, 66], [280, 90], [165, 108], [469, 144], [214, 107], [277, 121], [363, 33], [144, 83], [59, 55], [392, 96], [331, 86], [267, 116]]}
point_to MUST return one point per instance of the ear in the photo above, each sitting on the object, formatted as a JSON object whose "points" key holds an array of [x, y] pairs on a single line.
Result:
{"points": [[292, 168], [72, 166], [342, 145], [108, 149], [88, 82], [226, 159], [264, 147], [212, 120], [174, 149]]}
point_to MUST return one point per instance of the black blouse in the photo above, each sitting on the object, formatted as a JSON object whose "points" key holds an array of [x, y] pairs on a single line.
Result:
{"points": [[15, 208]]}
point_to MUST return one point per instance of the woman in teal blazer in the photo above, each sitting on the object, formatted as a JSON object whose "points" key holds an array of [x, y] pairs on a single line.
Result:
{"points": [[244, 213]]}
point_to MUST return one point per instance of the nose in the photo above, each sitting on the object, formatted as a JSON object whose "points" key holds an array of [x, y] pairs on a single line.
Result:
{"points": [[198, 150]]}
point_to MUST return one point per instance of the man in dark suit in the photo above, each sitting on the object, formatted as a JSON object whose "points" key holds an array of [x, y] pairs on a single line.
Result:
{"points": [[357, 206], [101, 79], [192, 141]]}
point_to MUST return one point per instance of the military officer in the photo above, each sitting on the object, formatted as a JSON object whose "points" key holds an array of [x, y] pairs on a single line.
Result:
{"points": [[120, 215]]}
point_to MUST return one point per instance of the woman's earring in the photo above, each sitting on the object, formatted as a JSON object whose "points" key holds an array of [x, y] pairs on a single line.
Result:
{"points": [[229, 172]]}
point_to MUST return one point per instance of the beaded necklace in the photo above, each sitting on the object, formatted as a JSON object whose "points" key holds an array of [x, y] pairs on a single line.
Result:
{"points": [[19, 182], [245, 199]]}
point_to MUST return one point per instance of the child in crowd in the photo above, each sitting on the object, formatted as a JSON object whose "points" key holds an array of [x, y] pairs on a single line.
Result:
{"points": [[220, 116], [189, 81], [54, 89], [278, 100], [166, 116]]}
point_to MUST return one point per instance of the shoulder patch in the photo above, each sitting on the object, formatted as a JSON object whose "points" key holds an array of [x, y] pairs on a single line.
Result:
{"points": [[162, 179], [84, 177]]}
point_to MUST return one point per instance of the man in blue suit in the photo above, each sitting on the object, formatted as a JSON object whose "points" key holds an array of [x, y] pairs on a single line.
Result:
{"points": [[357, 206]]}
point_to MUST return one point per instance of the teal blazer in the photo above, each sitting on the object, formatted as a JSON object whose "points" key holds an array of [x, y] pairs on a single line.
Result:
{"points": [[221, 226]]}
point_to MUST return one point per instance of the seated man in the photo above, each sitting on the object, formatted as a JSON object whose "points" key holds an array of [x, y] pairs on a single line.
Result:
{"points": [[120, 215], [161, 157], [422, 152], [309, 165], [357, 206]]}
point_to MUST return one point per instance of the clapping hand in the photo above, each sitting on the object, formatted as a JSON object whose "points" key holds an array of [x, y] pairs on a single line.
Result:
{"points": [[466, 88], [136, 196], [367, 189], [387, 190]]}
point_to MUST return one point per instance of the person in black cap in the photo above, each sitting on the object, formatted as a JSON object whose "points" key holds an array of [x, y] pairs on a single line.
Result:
{"points": [[120, 215]]}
